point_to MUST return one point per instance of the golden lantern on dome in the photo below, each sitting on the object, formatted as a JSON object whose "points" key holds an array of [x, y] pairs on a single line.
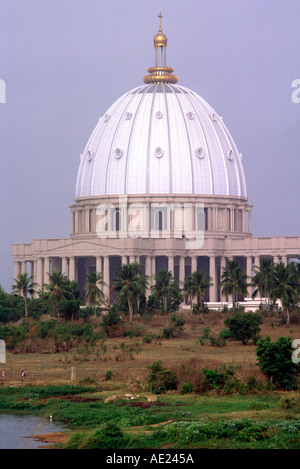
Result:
{"points": [[160, 73]]}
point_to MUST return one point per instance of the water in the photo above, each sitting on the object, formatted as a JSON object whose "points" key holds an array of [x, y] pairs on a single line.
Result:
{"points": [[15, 428]]}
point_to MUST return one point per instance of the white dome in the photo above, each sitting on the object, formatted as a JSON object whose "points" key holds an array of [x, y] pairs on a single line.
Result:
{"points": [[160, 139]]}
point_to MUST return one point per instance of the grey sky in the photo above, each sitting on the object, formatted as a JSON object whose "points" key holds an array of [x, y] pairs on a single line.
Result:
{"points": [[65, 62]]}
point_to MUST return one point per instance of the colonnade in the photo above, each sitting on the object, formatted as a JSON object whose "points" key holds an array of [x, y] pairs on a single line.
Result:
{"points": [[40, 267]]}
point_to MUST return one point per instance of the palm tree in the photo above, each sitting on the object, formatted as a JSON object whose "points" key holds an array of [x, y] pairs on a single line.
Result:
{"points": [[23, 286], [198, 285], [187, 288], [93, 293], [130, 284], [59, 288], [233, 281], [262, 279], [283, 287], [164, 284]]}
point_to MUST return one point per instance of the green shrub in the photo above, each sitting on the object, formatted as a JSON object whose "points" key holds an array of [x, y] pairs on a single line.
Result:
{"points": [[187, 387], [242, 326], [112, 318], [108, 437], [275, 360], [160, 379], [168, 332], [216, 379]]}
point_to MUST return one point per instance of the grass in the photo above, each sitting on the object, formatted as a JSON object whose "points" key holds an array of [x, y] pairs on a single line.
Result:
{"points": [[119, 365]]}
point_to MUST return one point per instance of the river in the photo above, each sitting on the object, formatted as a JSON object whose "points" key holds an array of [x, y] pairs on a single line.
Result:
{"points": [[15, 428]]}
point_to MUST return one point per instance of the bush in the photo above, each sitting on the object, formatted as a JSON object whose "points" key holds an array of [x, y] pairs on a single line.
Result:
{"points": [[242, 326], [187, 387], [216, 379], [161, 379], [109, 437], [275, 360], [168, 332], [111, 319]]}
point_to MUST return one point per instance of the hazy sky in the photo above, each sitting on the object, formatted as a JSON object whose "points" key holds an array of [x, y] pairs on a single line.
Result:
{"points": [[64, 62]]}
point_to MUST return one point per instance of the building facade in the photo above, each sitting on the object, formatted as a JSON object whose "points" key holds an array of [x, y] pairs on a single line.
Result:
{"points": [[160, 182]]}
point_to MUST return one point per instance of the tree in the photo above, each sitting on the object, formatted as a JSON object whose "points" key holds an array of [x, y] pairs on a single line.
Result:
{"points": [[59, 288], [130, 284], [242, 326], [283, 287], [93, 293], [165, 284], [197, 285], [274, 359], [23, 286], [233, 281], [262, 280]]}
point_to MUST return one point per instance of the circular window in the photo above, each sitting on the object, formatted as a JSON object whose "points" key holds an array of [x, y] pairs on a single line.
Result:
{"points": [[128, 115], [213, 117], [118, 153], [158, 115], [159, 152], [200, 153], [106, 118], [229, 154], [190, 115]]}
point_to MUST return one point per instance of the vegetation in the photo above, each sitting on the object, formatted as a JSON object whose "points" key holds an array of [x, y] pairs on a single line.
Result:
{"points": [[196, 285], [275, 360], [242, 326], [93, 293], [165, 286], [130, 285], [23, 286], [224, 378], [233, 281]]}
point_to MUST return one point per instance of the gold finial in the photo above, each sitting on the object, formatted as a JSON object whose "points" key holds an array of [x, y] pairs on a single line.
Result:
{"points": [[160, 73]]}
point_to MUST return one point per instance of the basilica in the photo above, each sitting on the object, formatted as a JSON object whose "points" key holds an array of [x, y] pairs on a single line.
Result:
{"points": [[160, 182]]}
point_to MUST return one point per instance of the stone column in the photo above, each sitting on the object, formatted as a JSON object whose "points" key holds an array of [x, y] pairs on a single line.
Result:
{"points": [[39, 272], [171, 264], [249, 222], [87, 220], [124, 260], [148, 273], [193, 264], [17, 268], [98, 264], [46, 269], [23, 267], [64, 266], [106, 275], [284, 260], [222, 267], [249, 275], [181, 270], [72, 269], [212, 274], [131, 259]]}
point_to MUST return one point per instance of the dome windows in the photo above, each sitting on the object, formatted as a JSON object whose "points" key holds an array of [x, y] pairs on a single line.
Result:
{"points": [[190, 115], [128, 116], [199, 152], [229, 154], [90, 155], [106, 117], [118, 153], [158, 115], [159, 152]]}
